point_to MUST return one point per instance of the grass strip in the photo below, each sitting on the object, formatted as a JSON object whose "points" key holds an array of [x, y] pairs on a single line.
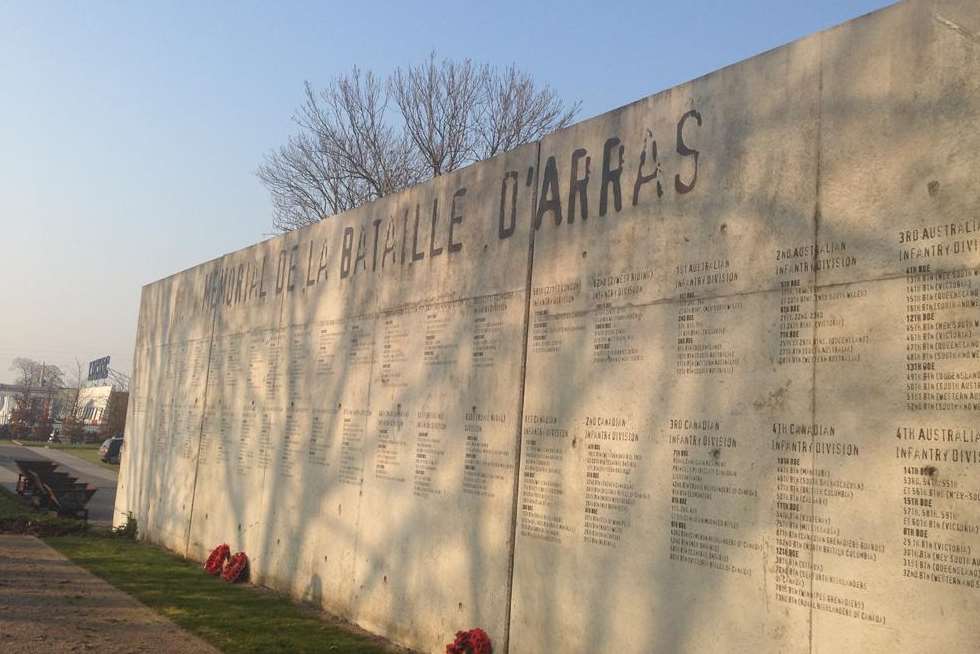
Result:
{"points": [[19, 517], [234, 618], [88, 453]]}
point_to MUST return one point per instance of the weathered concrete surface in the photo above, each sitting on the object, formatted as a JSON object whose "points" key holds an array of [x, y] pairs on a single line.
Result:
{"points": [[751, 411], [700, 372], [646, 324], [900, 183], [48, 604], [348, 413]]}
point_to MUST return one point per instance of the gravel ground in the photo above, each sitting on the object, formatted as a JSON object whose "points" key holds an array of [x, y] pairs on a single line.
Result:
{"points": [[48, 604]]}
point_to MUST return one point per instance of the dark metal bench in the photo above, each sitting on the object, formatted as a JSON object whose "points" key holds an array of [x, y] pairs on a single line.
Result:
{"points": [[51, 489]]}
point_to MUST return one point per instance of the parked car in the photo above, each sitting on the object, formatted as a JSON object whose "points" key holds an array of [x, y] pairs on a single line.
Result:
{"points": [[111, 450]]}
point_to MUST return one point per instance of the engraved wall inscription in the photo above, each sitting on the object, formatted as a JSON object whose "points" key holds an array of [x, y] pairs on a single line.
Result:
{"points": [[700, 374]]}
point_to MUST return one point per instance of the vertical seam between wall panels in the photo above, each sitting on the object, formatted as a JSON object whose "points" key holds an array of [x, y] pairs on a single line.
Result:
{"points": [[519, 436], [200, 432], [375, 317], [813, 337]]}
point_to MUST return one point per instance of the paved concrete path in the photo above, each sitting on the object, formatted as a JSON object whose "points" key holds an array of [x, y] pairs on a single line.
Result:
{"points": [[49, 604], [102, 504]]}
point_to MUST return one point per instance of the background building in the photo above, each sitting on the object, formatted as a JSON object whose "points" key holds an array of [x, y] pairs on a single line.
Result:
{"points": [[85, 413]]}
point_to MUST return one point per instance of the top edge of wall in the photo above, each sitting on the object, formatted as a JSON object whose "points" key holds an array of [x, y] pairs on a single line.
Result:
{"points": [[421, 186]]}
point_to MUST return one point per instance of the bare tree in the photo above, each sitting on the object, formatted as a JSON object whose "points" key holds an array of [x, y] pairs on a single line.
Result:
{"points": [[513, 110], [37, 374], [345, 153], [71, 422], [39, 384], [114, 416], [438, 102], [360, 138], [306, 185], [351, 125]]}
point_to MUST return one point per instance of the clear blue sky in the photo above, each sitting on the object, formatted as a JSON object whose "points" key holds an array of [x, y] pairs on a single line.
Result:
{"points": [[130, 132]]}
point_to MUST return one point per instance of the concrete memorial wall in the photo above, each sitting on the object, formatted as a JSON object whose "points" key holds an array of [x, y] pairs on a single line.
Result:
{"points": [[701, 374]]}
